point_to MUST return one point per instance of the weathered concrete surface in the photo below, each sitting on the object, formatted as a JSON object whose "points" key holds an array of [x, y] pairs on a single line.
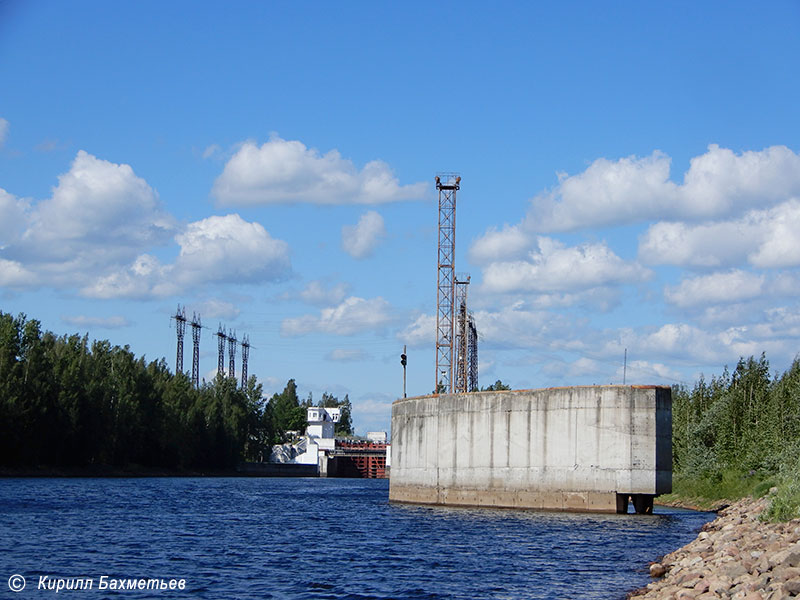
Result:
{"points": [[570, 448]]}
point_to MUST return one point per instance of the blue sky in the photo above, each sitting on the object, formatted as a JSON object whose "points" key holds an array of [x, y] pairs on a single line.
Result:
{"points": [[630, 180]]}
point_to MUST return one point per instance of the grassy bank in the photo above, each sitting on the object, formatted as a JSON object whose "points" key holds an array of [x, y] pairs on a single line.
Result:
{"points": [[714, 491]]}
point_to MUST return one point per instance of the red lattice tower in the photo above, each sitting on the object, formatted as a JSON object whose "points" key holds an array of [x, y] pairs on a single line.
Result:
{"points": [[447, 184]]}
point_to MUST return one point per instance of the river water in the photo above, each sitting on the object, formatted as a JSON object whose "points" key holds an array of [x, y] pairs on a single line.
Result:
{"points": [[325, 539]]}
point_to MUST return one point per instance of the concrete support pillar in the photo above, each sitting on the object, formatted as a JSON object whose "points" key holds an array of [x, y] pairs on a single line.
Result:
{"points": [[592, 448], [643, 503]]}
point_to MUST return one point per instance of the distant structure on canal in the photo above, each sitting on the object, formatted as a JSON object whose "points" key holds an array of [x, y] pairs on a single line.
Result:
{"points": [[320, 453]]}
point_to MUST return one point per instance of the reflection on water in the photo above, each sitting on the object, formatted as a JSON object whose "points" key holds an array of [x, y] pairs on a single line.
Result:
{"points": [[320, 539]]}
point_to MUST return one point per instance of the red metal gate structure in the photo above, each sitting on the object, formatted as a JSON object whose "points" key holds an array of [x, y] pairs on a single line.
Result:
{"points": [[365, 460]]}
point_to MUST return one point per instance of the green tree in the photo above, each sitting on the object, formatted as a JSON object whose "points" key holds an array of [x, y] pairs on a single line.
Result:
{"points": [[259, 429], [12, 410], [287, 414], [66, 403], [345, 425], [496, 387]]}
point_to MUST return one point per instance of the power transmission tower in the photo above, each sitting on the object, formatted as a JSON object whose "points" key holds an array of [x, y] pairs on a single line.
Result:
{"points": [[180, 327], [472, 343], [196, 327], [462, 347], [232, 355], [447, 184], [245, 355], [221, 337]]}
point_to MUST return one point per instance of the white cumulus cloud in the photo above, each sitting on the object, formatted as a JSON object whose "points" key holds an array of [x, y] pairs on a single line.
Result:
{"points": [[353, 315], [515, 326], [509, 243], [671, 340], [14, 216], [98, 230], [420, 332], [14, 275], [214, 308], [718, 184], [318, 294], [286, 171], [642, 372], [512, 326], [360, 240], [230, 249], [682, 343], [224, 249], [554, 266], [100, 216], [97, 204], [767, 238], [716, 288]]}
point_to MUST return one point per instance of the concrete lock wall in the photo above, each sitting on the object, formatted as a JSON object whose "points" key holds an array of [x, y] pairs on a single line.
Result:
{"points": [[576, 448]]}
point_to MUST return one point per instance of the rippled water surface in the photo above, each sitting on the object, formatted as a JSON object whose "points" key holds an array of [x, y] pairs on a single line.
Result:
{"points": [[317, 539]]}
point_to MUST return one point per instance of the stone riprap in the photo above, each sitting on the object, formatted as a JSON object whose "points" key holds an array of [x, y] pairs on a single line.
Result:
{"points": [[735, 556]]}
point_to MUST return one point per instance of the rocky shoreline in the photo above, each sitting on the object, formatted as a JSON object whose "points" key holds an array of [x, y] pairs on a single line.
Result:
{"points": [[735, 556]]}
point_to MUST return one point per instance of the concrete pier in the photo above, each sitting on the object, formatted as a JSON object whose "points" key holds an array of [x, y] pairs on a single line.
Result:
{"points": [[587, 448]]}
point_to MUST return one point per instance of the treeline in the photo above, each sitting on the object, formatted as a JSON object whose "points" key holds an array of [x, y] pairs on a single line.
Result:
{"points": [[745, 422], [67, 403]]}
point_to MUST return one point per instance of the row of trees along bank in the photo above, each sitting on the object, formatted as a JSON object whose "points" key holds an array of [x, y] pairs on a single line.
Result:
{"points": [[739, 434], [67, 403]]}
